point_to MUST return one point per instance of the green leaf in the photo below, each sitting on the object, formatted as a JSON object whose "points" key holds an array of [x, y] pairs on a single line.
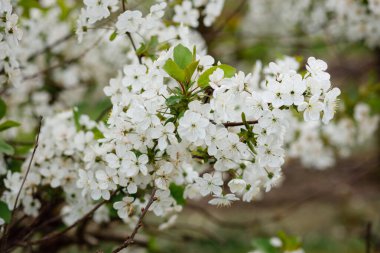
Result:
{"points": [[3, 108], [204, 79], [174, 71], [176, 192], [189, 71], [8, 124], [76, 118], [289, 243], [172, 100], [113, 36], [264, 245], [182, 56], [6, 148], [97, 133], [5, 213], [148, 49]]}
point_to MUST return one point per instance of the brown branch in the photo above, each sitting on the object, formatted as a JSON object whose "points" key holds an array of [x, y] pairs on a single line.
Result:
{"points": [[6, 228], [130, 36], [123, 5], [134, 47], [233, 124], [55, 235], [51, 46], [130, 239], [220, 28]]}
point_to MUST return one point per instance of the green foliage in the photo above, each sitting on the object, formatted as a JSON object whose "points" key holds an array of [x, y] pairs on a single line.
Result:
{"points": [[173, 100], [183, 66], [182, 56], [204, 79], [264, 245], [175, 71], [148, 49], [8, 124], [76, 118], [189, 70], [5, 213], [6, 148], [289, 243], [176, 192], [97, 133], [113, 36], [3, 108]]}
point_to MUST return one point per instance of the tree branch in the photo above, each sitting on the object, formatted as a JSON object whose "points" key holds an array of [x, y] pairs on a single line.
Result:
{"points": [[130, 240], [6, 228], [233, 124], [85, 217]]}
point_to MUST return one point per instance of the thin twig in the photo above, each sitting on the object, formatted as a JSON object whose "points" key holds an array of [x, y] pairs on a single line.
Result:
{"points": [[51, 46], [228, 18], [58, 234], [6, 228], [130, 240], [233, 124], [130, 35], [134, 47]]}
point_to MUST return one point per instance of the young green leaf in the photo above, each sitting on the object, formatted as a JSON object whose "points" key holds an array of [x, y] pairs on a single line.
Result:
{"points": [[174, 71], [3, 108], [176, 192], [173, 100], [290, 243], [8, 124], [182, 56], [264, 245], [113, 36], [76, 118], [6, 148], [204, 79], [189, 70], [5, 213]]}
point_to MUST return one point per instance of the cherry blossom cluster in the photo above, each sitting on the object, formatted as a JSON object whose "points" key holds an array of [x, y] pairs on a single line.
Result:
{"points": [[63, 143], [317, 146], [169, 130], [340, 19], [10, 36], [188, 12], [57, 72]]}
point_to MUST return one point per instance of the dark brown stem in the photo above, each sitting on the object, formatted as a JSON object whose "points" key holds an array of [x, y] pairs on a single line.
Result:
{"points": [[6, 228], [55, 235], [130, 240], [134, 46], [233, 124]]}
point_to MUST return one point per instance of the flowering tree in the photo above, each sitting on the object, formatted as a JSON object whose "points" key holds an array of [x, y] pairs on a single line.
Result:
{"points": [[176, 123]]}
